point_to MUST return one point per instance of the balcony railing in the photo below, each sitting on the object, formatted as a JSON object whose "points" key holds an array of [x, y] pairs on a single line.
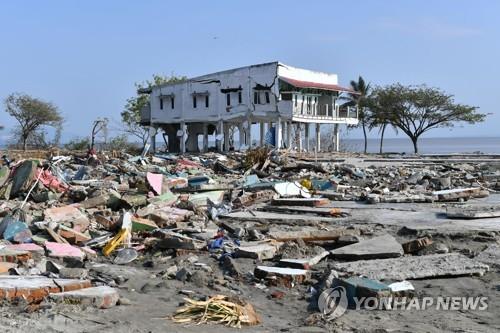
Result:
{"points": [[325, 111]]}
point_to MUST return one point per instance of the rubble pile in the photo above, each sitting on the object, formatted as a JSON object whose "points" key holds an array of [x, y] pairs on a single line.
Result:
{"points": [[263, 218]]}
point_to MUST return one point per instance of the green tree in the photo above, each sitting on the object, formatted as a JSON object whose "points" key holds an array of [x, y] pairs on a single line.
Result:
{"points": [[32, 114], [381, 112], [131, 115], [360, 99], [418, 109]]}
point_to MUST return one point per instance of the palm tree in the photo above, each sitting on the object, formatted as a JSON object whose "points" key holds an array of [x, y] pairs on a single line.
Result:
{"points": [[359, 98]]}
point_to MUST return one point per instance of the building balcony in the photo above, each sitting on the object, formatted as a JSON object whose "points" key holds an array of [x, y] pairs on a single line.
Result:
{"points": [[320, 113]]}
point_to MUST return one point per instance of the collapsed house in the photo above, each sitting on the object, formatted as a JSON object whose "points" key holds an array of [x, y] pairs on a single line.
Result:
{"points": [[281, 101]]}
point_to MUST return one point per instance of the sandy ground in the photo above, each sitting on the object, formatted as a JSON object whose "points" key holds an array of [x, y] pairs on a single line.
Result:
{"points": [[153, 299]]}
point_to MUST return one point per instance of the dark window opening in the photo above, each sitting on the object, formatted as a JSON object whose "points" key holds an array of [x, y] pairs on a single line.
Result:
{"points": [[256, 97], [206, 101], [172, 102], [228, 99], [268, 100], [240, 97], [295, 100], [161, 103], [194, 102]]}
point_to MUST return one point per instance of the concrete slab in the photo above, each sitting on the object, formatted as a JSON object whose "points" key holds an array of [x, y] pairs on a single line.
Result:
{"points": [[35, 288], [490, 256], [11, 255], [58, 250], [102, 297], [379, 247], [417, 267], [257, 250], [30, 247], [304, 263], [281, 276]]}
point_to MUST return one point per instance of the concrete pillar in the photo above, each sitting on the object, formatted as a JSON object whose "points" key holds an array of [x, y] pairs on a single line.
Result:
{"points": [[205, 137], [241, 136], [299, 136], [289, 134], [337, 137], [248, 131], [153, 140], [191, 138], [226, 129], [318, 137], [220, 135], [182, 137], [279, 133], [262, 133], [307, 136]]}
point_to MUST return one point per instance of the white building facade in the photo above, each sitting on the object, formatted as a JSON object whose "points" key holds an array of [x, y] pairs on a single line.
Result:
{"points": [[284, 102]]}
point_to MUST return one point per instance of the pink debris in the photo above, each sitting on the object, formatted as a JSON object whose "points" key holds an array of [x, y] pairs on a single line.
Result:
{"points": [[51, 181], [155, 180], [60, 250], [31, 247]]}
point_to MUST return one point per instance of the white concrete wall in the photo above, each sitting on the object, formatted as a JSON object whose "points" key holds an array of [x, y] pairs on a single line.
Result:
{"points": [[246, 77], [306, 75]]}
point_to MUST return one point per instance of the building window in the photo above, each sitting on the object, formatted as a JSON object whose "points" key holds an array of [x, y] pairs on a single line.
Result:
{"points": [[206, 101], [240, 97], [268, 100], [172, 102], [228, 99], [161, 103], [256, 97], [194, 101], [295, 97]]}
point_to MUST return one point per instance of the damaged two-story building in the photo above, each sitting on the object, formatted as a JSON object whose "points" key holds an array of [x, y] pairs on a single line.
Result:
{"points": [[278, 101]]}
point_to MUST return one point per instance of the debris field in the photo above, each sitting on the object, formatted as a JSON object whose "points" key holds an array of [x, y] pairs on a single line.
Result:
{"points": [[245, 240]]}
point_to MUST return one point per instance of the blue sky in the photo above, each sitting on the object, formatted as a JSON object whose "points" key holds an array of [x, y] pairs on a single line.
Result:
{"points": [[86, 55]]}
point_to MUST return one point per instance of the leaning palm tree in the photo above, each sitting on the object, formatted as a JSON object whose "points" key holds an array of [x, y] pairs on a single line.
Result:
{"points": [[359, 99]]}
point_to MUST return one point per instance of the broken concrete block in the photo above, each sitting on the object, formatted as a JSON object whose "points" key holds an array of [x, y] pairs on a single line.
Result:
{"points": [[458, 194], [410, 268], [257, 250], [251, 198], [58, 250], [282, 276], [305, 263], [473, 212], [68, 214], [490, 256], [310, 235], [73, 273], [308, 202], [72, 236], [102, 297], [416, 245], [15, 256], [384, 246], [30, 247], [35, 288], [173, 242], [358, 286]]}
